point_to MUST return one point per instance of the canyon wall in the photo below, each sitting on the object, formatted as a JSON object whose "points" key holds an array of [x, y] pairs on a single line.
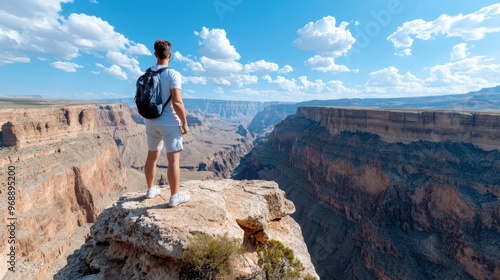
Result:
{"points": [[30, 126], [390, 194], [234, 111], [487, 99], [481, 129], [229, 110], [65, 169]]}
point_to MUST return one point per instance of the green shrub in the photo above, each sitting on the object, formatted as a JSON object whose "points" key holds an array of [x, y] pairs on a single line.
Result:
{"points": [[309, 277], [279, 262], [206, 257]]}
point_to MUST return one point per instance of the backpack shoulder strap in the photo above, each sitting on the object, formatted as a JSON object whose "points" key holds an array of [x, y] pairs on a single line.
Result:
{"points": [[167, 100], [160, 71]]}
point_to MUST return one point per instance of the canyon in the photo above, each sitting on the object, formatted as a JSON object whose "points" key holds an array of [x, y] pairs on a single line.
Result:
{"points": [[377, 193], [68, 160], [390, 193]]}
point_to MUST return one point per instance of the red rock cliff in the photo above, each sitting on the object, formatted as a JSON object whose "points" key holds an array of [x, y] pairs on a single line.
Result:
{"points": [[403, 125], [25, 127], [66, 167]]}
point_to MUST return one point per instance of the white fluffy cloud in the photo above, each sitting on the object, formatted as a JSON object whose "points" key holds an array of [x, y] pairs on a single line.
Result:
{"points": [[474, 26], [314, 86], [311, 89], [220, 67], [215, 44], [469, 72], [66, 66], [194, 80], [261, 67], [459, 51], [116, 72], [219, 64], [286, 69], [390, 77], [328, 41], [325, 64], [324, 37], [460, 76], [35, 28], [92, 33], [192, 65], [139, 49], [289, 85], [125, 61]]}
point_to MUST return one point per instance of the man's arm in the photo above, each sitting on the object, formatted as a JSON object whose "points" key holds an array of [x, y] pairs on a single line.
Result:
{"points": [[179, 108]]}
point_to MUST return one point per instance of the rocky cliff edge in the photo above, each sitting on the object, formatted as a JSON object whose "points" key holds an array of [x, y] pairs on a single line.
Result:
{"points": [[23, 127], [138, 238], [404, 125]]}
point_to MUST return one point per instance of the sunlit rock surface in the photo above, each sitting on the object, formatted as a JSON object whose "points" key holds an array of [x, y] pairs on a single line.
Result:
{"points": [[138, 238]]}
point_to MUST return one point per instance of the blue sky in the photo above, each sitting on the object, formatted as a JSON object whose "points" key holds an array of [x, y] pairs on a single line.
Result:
{"points": [[251, 49]]}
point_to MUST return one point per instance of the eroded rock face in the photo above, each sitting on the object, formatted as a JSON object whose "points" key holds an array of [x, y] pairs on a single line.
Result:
{"points": [[67, 170], [234, 111], [25, 127], [479, 128], [390, 194], [138, 238], [59, 187]]}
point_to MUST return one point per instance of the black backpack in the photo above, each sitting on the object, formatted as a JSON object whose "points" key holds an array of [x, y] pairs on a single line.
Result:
{"points": [[148, 94]]}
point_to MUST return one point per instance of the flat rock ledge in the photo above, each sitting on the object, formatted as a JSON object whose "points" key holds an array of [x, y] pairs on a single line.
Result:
{"points": [[139, 238]]}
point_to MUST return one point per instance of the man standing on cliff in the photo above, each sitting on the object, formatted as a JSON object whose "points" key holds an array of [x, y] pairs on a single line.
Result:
{"points": [[167, 129]]}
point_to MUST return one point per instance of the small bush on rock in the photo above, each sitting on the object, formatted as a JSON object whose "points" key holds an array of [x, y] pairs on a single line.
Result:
{"points": [[279, 262], [206, 257], [309, 277]]}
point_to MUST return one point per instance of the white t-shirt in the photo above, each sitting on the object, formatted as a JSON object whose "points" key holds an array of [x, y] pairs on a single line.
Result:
{"points": [[169, 79]]}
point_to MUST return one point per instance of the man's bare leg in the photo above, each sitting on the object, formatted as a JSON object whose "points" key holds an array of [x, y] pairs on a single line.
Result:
{"points": [[174, 171], [150, 167]]}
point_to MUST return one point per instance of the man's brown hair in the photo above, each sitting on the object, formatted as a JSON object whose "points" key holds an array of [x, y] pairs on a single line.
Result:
{"points": [[162, 48]]}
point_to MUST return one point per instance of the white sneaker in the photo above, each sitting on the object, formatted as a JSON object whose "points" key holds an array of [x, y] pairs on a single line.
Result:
{"points": [[153, 191], [178, 198]]}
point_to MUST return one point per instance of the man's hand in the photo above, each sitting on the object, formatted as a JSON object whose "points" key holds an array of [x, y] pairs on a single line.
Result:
{"points": [[184, 129]]}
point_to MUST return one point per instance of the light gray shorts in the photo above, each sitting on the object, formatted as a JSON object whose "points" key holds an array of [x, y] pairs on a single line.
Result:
{"points": [[159, 134]]}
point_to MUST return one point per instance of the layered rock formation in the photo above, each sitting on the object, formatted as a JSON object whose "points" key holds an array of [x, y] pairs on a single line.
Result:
{"points": [[390, 194], [229, 110], [481, 129], [233, 111], [30, 126], [66, 172], [487, 99], [138, 238]]}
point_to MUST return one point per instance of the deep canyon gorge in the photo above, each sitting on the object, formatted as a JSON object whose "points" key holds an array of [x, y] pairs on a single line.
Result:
{"points": [[378, 193]]}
